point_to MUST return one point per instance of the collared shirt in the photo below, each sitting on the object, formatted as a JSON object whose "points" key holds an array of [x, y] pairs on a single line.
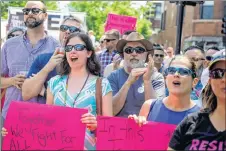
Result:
{"points": [[105, 59], [17, 55]]}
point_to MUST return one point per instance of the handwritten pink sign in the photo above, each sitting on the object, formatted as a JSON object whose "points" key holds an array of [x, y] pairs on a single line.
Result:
{"points": [[120, 22], [114, 133], [33, 126]]}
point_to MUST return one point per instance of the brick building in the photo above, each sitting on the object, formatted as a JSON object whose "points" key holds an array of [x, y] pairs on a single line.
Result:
{"points": [[201, 26]]}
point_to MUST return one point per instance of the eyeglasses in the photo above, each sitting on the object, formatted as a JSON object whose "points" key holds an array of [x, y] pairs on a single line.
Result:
{"points": [[217, 73], [72, 29], [12, 35], [158, 55], [108, 40], [34, 11], [138, 50], [209, 58], [78, 47], [197, 59], [181, 71]]}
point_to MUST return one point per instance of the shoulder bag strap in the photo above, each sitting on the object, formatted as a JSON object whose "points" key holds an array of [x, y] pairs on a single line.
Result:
{"points": [[99, 96]]}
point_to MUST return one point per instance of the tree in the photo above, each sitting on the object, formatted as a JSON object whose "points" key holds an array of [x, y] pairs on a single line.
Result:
{"points": [[51, 5], [97, 12]]}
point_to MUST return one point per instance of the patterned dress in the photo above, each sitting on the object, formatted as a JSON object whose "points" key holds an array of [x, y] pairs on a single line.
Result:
{"points": [[86, 100]]}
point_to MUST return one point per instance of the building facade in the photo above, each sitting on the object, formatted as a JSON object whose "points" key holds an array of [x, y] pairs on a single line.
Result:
{"points": [[201, 25]]}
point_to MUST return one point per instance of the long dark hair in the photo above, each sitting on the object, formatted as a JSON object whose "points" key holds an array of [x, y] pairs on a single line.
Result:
{"points": [[209, 99], [92, 64]]}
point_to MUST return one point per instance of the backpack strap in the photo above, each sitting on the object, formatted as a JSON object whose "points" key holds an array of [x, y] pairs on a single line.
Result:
{"points": [[99, 96]]}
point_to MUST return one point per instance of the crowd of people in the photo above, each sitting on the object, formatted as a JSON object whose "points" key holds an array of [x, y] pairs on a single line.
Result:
{"points": [[139, 79]]}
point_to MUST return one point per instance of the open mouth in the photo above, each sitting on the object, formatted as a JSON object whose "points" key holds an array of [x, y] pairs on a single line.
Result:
{"points": [[73, 59], [176, 83]]}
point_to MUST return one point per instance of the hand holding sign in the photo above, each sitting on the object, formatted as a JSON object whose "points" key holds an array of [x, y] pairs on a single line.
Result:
{"points": [[114, 133]]}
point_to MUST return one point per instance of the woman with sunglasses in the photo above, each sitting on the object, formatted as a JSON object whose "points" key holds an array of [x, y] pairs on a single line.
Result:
{"points": [[76, 86], [206, 130], [180, 77]]}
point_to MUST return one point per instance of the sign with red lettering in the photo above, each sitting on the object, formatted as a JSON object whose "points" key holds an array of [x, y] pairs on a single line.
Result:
{"points": [[120, 22], [33, 126], [114, 133]]}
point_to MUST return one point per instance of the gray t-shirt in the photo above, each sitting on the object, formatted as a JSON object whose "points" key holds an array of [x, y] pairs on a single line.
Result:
{"points": [[135, 97]]}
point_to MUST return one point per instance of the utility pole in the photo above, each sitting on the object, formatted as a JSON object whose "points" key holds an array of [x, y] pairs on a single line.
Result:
{"points": [[180, 17]]}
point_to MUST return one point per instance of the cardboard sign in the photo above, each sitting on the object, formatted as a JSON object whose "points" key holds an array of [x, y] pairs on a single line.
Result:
{"points": [[120, 22], [33, 126], [114, 133]]}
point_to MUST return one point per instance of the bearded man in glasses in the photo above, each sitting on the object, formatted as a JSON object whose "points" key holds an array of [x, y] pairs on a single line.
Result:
{"points": [[137, 81], [18, 53], [46, 65]]}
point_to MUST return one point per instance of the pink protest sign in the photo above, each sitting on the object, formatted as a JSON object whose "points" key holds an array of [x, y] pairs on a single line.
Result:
{"points": [[114, 133], [33, 126], [120, 22]]}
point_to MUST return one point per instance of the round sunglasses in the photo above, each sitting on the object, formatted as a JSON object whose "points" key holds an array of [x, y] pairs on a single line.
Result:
{"points": [[159, 55], [78, 47], [217, 73], [138, 50], [181, 71], [72, 29]]}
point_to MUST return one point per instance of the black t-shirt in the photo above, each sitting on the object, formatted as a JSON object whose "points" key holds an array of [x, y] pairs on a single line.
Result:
{"points": [[196, 132]]}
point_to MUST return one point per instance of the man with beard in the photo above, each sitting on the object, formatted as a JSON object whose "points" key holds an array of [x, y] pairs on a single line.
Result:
{"points": [[19, 52], [46, 65], [137, 81]]}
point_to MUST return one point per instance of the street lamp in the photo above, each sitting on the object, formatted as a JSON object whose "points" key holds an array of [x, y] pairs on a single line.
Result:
{"points": [[181, 4]]}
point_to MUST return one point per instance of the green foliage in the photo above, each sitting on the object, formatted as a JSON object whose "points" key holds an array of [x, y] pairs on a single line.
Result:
{"points": [[51, 5], [97, 12]]}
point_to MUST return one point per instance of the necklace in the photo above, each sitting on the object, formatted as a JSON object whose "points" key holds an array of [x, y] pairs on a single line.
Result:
{"points": [[65, 98]]}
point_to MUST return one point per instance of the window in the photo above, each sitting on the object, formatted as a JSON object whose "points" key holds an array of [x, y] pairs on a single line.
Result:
{"points": [[206, 10], [158, 12]]}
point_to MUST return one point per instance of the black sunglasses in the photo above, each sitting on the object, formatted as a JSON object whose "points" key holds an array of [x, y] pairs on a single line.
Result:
{"points": [[34, 11], [138, 50], [108, 40], [72, 29], [78, 47], [158, 55], [209, 58], [217, 73]]}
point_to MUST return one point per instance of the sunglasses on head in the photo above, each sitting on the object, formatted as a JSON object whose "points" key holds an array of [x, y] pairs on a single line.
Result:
{"points": [[12, 35], [209, 58], [34, 11], [72, 29], [108, 40], [181, 71], [158, 55], [138, 50], [197, 59], [217, 73], [78, 47]]}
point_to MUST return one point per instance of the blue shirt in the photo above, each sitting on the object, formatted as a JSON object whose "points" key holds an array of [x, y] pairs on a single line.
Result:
{"points": [[17, 55], [38, 64], [160, 113], [135, 96]]}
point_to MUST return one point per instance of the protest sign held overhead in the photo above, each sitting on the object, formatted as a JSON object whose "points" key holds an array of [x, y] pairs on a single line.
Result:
{"points": [[120, 22], [43, 127]]}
